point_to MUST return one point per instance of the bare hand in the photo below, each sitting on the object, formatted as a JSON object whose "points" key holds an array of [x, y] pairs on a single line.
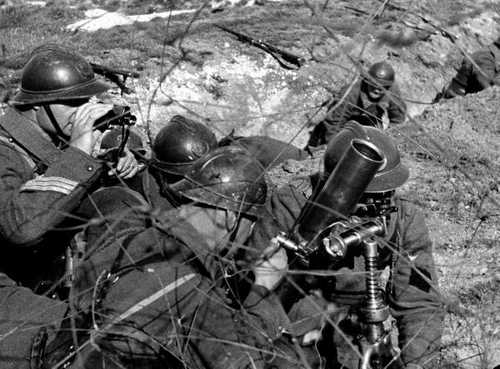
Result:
{"points": [[82, 132], [127, 166], [272, 267]]}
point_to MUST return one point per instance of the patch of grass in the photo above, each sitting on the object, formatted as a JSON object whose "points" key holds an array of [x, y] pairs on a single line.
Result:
{"points": [[457, 19], [13, 16], [481, 294], [47, 19], [347, 27], [63, 13], [483, 299], [104, 40], [45, 25]]}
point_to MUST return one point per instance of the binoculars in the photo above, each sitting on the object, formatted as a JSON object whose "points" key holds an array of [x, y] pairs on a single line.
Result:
{"points": [[119, 115]]}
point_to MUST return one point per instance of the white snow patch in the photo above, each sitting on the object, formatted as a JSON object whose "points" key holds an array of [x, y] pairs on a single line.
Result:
{"points": [[101, 19], [37, 3]]}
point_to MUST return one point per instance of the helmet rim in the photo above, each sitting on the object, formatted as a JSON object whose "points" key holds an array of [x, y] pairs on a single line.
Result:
{"points": [[174, 168], [204, 194], [83, 90], [229, 193], [389, 181]]}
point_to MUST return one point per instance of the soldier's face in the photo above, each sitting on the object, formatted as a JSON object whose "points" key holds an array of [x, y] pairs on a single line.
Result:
{"points": [[63, 113], [217, 226], [374, 92]]}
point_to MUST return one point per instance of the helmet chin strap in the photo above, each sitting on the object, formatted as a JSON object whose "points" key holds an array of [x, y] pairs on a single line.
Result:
{"points": [[60, 134]]}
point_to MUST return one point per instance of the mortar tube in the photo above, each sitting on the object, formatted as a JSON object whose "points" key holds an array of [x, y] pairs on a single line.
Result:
{"points": [[341, 191]]}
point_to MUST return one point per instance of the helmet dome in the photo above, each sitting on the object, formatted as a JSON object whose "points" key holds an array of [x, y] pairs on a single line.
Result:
{"points": [[54, 73], [181, 143], [227, 178], [381, 73]]}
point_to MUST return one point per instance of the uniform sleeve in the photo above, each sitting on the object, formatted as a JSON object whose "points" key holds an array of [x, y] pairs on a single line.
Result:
{"points": [[397, 106], [220, 336], [336, 118], [266, 306], [414, 296], [282, 210], [24, 313], [30, 207]]}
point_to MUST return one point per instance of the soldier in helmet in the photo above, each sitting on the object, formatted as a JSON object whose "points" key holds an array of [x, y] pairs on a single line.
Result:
{"points": [[412, 290], [176, 148], [478, 71], [47, 166], [182, 141], [48, 142], [205, 298], [179, 145], [369, 101]]}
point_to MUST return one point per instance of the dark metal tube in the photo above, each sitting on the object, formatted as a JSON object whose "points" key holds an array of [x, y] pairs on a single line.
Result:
{"points": [[338, 244], [342, 190]]}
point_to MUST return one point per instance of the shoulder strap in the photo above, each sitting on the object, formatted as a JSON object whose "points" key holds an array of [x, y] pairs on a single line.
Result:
{"points": [[29, 138], [19, 149]]}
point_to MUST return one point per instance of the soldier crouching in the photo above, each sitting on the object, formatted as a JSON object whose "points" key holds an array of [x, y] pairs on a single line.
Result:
{"points": [[181, 288], [336, 307], [47, 167]]}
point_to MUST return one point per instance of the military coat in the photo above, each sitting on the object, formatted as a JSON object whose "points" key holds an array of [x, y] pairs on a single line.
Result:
{"points": [[411, 292], [168, 300]]}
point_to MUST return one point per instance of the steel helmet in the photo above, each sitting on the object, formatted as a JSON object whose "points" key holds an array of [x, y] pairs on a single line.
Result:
{"points": [[54, 73], [181, 143], [382, 74], [391, 175], [226, 178]]}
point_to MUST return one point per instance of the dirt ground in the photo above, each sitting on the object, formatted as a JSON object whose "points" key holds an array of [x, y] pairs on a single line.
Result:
{"points": [[189, 66]]}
